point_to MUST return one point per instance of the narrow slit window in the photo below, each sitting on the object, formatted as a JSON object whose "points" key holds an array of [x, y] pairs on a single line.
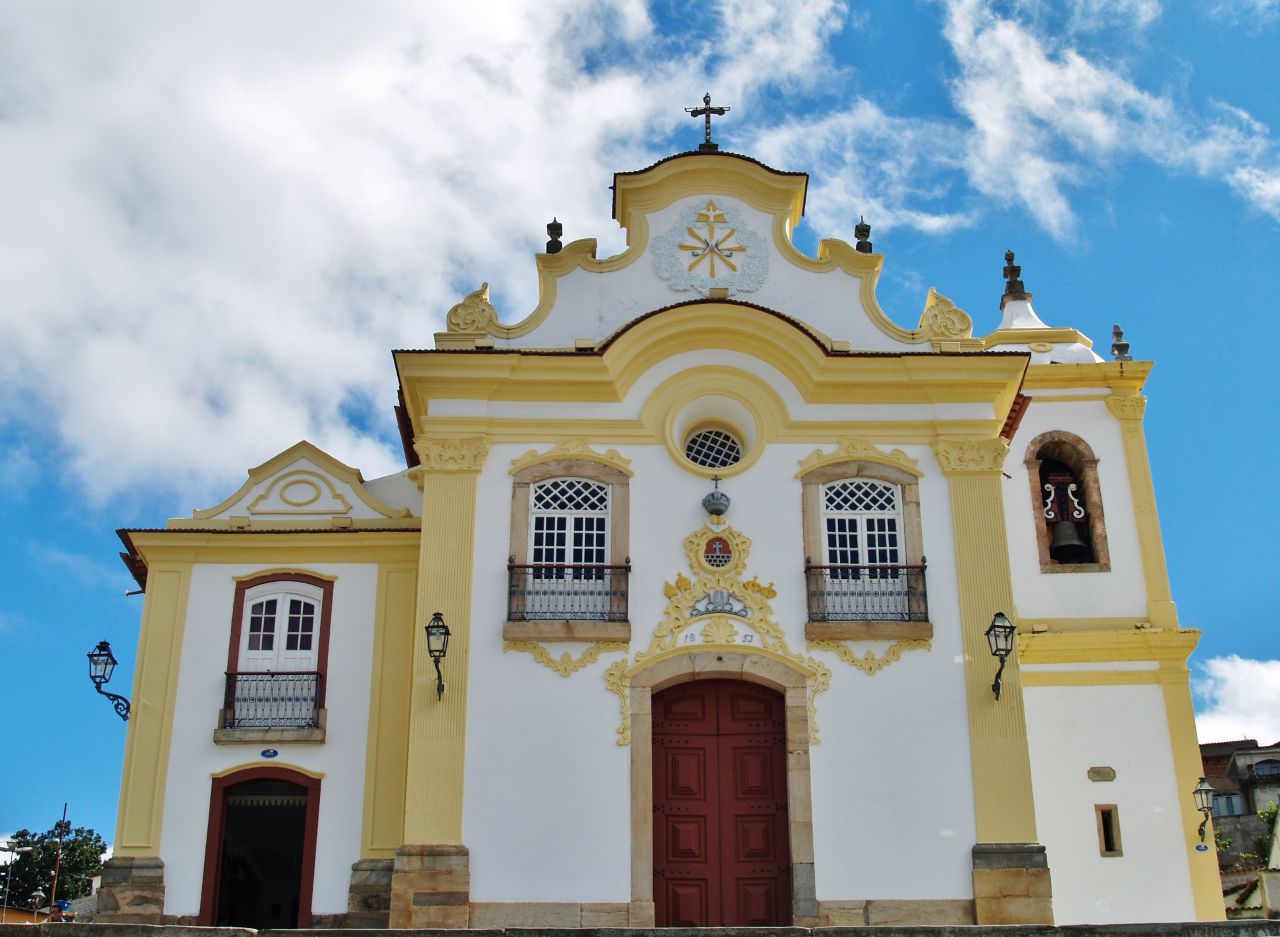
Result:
{"points": [[1108, 830]]}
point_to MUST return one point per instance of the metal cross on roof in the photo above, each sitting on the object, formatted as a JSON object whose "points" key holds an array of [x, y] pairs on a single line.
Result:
{"points": [[706, 111]]}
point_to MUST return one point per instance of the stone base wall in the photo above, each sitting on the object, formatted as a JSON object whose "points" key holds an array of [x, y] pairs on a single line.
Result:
{"points": [[132, 891], [875, 912], [1011, 884], [431, 886]]}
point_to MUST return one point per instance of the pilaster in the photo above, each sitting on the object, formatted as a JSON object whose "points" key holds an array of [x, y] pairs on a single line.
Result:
{"points": [[1004, 808], [1129, 410], [430, 881]]}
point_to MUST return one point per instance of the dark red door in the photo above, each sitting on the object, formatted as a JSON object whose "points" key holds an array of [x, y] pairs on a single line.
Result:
{"points": [[721, 855]]}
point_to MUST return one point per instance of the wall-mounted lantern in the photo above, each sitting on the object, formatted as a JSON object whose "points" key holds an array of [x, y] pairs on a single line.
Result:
{"points": [[1000, 638], [1203, 794], [101, 665], [438, 647]]}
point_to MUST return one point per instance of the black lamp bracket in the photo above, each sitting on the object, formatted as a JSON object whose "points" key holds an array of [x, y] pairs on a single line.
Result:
{"points": [[120, 703]]}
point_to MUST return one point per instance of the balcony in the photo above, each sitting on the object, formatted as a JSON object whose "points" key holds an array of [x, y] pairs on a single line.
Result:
{"points": [[567, 602], [867, 602], [266, 706]]}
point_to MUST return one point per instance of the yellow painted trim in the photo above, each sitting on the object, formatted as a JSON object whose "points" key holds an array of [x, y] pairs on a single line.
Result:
{"points": [[155, 690], [387, 739], [278, 570], [868, 663], [1027, 336], [1071, 398], [858, 449], [437, 727], [1039, 625], [1168, 647], [1090, 678], [225, 772], [1129, 410], [285, 480], [566, 664], [1206, 884], [574, 449], [1004, 807], [1121, 377], [296, 453]]}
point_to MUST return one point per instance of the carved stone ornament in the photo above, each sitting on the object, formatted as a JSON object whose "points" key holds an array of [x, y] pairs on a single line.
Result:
{"points": [[473, 314], [710, 247], [301, 492], [868, 663], [566, 663], [942, 319], [577, 449], [971, 456], [451, 454], [716, 610], [858, 449], [1127, 408]]}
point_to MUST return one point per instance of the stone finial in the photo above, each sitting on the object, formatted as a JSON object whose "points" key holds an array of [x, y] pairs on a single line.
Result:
{"points": [[1014, 288], [554, 230], [1119, 347], [862, 231]]}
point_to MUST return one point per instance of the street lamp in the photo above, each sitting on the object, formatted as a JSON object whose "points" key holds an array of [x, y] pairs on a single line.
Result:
{"points": [[37, 899], [1000, 638], [14, 851], [1203, 795], [101, 664], [437, 647]]}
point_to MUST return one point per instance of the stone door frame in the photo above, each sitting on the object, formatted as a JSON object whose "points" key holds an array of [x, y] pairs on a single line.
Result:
{"points": [[722, 665]]}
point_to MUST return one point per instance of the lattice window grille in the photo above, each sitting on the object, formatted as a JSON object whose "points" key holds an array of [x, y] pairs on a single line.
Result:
{"points": [[861, 496], [570, 494], [713, 448]]}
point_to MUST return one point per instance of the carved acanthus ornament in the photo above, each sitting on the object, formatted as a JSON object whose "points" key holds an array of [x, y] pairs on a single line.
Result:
{"points": [[1127, 409], [566, 663], [855, 449], [868, 663], [717, 610], [577, 449], [971, 456], [474, 314], [943, 320], [451, 454]]}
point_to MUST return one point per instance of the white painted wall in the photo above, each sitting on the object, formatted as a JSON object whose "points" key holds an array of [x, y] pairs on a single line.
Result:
{"points": [[1071, 729], [1122, 591], [893, 769], [194, 758], [594, 305]]}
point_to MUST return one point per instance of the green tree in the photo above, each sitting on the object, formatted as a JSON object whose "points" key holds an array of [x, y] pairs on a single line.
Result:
{"points": [[1262, 844], [82, 850]]}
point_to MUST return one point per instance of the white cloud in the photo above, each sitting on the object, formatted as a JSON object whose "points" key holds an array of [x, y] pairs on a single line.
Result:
{"points": [[217, 225], [1046, 117], [1241, 699]]}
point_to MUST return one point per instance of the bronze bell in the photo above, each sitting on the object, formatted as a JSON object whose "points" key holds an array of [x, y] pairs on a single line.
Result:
{"points": [[1067, 547]]}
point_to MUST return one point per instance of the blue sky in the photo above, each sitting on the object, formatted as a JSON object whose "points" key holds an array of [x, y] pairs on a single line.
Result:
{"points": [[218, 221]]}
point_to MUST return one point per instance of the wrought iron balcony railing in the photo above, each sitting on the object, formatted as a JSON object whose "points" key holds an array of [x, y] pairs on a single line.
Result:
{"points": [[567, 591], [272, 701], [871, 592]]}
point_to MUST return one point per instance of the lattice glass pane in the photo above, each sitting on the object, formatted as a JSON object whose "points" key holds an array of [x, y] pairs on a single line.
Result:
{"points": [[302, 623], [570, 494], [262, 625], [860, 495], [713, 448]]}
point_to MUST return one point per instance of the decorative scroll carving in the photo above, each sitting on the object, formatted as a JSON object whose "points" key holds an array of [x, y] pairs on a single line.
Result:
{"points": [[717, 610], [474, 313], [566, 663], [971, 456], [942, 319], [446, 454], [869, 663], [710, 247], [300, 492], [579, 449], [1127, 408], [857, 448]]}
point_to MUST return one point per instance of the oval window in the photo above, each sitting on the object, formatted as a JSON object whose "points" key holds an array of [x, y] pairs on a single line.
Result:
{"points": [[713, 448]]}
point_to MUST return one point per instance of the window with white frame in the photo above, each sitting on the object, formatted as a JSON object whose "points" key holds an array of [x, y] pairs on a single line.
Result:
{"points": [[862, 524], [569, 529], [280, 631]]}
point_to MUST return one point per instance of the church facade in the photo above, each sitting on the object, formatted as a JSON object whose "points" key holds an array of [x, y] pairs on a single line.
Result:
{"points": [[724, 555]]}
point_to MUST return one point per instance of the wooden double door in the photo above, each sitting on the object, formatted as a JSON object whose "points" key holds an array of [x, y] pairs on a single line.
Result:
{"points": [[721, 853]]}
